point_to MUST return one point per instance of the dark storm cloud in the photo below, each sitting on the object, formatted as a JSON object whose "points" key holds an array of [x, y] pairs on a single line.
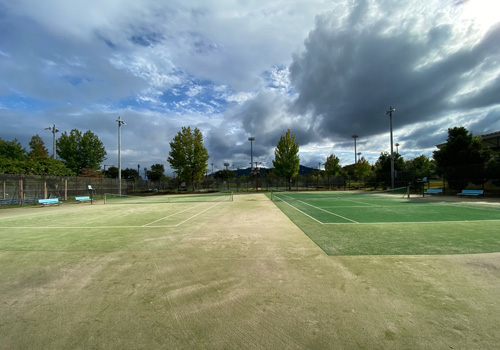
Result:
{"points": [[351, 72]]}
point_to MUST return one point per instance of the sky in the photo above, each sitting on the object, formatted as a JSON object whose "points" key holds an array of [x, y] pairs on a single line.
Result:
{"points": [[326, 70]]}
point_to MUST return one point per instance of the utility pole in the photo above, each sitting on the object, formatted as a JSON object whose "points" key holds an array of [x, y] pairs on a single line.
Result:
{"points": [[355, 137], [54, 130], [389, 113], [120, 123]]}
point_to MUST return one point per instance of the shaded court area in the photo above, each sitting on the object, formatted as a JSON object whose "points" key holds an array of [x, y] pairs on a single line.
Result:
{"points": [[237, 274]]}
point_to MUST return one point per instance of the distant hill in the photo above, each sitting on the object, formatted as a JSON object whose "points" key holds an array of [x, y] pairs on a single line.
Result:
{"points": [[303, 170]]}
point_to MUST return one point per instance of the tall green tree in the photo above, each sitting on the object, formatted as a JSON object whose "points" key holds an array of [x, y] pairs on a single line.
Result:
{"points": [[81, 151], [286, 157], [12, 149], [461, 159], [362, 168], [157, 172], [382, 168], [188, 156], [332, 166], [37, 148]]}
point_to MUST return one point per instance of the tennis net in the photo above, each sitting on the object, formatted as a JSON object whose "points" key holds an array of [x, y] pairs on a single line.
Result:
{"points": [[222, 196], [282, 195]]}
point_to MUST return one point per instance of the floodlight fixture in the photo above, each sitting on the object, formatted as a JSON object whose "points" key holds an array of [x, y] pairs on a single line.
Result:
{"points": [[389, 113], [54, 130]]}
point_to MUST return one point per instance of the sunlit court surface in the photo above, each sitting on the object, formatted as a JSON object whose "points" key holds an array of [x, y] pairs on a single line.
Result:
{"points": [[251, 272]]}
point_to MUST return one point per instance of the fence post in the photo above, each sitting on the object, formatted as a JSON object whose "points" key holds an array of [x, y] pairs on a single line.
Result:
{"points": [[4, 187], [65, 188], [20, 199]]}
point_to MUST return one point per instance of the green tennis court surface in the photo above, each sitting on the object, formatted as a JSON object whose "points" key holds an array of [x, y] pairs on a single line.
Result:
{"points": [[344, 223]]}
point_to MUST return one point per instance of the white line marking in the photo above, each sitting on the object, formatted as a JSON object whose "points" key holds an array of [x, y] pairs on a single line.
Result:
{"points": [[329, 212], [410, 222], [300, 211], [182, 211], [192, 217]]}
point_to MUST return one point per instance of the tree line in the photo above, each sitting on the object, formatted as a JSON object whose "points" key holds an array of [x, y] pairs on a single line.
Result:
{"points": [[79, 154], [459, 161]]}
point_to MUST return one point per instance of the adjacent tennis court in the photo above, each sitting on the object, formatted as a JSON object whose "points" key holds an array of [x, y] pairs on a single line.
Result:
{"points": [[388, 222]]}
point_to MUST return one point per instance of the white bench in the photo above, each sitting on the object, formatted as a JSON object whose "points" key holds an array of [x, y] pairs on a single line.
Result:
{"points": [[434, 191], [471, 193], [83, 199], [49, 201]]}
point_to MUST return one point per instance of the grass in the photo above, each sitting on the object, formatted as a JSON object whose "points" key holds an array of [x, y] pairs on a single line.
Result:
{"points": [[226, 275]]}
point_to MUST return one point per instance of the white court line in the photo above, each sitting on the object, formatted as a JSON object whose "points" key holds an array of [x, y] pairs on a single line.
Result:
{"points": [[201, 212], [410, 222], [300, 211], [182, 211], [329, 212]]}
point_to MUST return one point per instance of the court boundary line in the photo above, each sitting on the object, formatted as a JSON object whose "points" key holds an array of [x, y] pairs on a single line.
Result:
{"points": [[173, 214], [329, 212], [300, 211], [192, 217]]}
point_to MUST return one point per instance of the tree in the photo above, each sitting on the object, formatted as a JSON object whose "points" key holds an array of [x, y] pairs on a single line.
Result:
{"points": [[461, 159], [419, 167], [362, 168], [129, 173], [383, 167], [12, 149], [80, 151], [188, 156], [37, 147], [332, 166], [156, 173], [286, 154]]}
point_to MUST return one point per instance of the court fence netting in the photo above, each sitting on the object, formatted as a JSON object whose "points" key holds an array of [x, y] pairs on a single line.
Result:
{"points": [[217, 196], [284, 195]]}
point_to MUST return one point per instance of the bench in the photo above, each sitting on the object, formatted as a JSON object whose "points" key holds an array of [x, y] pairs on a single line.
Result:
{"points": [[474, 193], [49, 201], [434, 191], [83, 199]]}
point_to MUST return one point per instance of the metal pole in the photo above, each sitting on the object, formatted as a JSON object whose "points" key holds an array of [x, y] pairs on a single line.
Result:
{"points": [[389, 112], [120, 122], [251, 139], [355, 137], [54, 130]]}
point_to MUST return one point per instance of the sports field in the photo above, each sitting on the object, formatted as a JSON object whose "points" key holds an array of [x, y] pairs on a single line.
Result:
{"points": [[389, 223], [212, 274]]}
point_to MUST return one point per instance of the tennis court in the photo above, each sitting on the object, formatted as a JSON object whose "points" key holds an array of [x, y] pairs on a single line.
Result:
{"points": [[216, 274], [383, 207], [390, 223]]}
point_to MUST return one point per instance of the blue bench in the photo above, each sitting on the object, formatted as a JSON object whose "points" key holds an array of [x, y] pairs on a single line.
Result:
{"points": [[472, 193], [83, 199], [49, 201], [434, 191]]}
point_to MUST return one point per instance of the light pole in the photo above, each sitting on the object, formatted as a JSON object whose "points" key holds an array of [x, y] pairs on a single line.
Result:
{"points": [[120, 123], [251, 139], [389, 113], [355, 137], [256, 172], [54, 130]]}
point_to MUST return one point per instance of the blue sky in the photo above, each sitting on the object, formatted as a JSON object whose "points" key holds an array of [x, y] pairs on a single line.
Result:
{"points": [[234, 69]]}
